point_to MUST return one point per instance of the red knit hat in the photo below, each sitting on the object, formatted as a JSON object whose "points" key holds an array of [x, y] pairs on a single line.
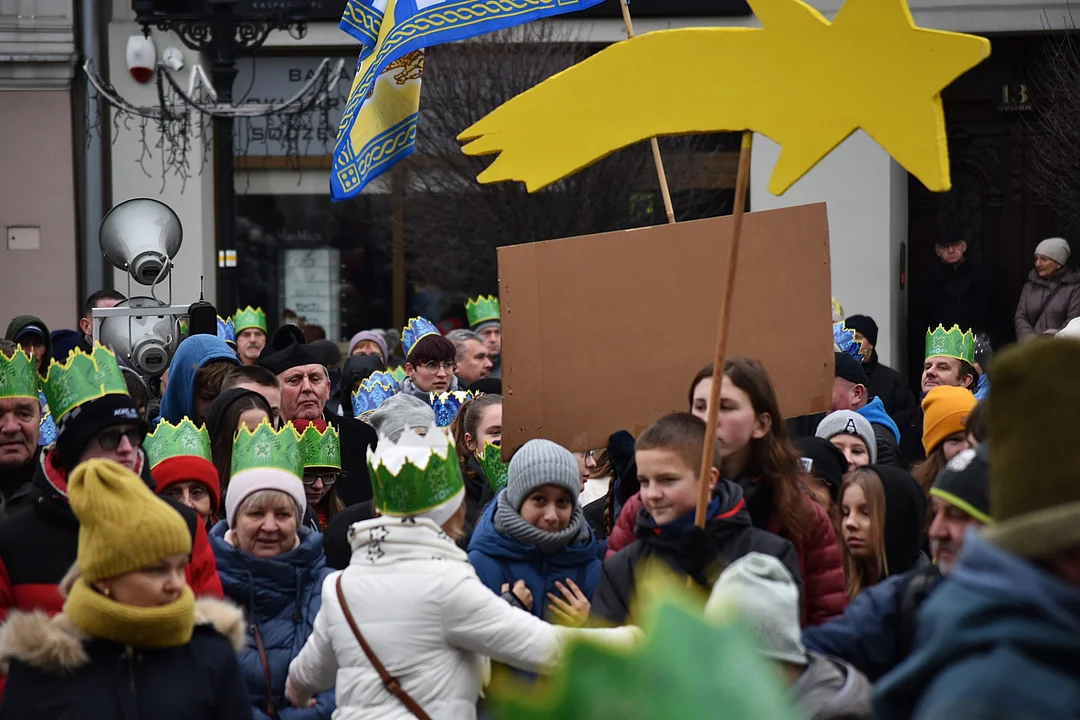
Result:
{"points": [[188, 468]]}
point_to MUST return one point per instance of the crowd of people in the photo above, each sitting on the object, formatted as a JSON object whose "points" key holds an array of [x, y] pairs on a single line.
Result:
{"points": [[267, 532]]}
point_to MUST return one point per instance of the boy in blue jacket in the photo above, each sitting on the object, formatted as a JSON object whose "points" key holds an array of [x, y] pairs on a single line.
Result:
{"points": [[533, 545]]}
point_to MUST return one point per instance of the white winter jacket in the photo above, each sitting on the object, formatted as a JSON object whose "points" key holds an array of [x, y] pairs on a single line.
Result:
{"points": [[428, 618]]}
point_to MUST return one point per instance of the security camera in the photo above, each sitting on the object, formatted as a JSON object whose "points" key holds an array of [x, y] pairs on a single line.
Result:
{"points": [[141, 236]]}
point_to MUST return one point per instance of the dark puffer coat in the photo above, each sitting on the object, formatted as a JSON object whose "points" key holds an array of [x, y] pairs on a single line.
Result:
{"points": [[55, 672], [281, 597]]}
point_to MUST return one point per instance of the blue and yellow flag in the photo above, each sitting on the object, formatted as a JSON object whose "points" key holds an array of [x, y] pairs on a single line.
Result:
{"points": [[378, 127]]}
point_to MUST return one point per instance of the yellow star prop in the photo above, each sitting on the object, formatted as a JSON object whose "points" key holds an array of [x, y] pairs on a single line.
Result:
{"points": [[802, 81]]}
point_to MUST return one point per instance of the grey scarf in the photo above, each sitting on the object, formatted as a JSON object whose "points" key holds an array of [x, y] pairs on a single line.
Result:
{"points": [[508, 521]]}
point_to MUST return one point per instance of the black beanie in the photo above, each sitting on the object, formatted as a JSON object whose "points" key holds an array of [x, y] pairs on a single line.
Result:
{"points": [[288, 349], [965, 483], [850, 369], [79, 426], [905, 518], [864, 325], [823, 460]]}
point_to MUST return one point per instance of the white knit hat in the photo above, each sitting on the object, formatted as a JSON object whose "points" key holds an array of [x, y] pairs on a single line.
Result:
{"points": [[246, 483], [1056, 249], [767, 599]]}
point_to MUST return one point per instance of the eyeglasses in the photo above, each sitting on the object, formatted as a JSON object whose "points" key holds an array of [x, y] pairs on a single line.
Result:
{"points": [[328, 479], [110, 439], [434, 366]]}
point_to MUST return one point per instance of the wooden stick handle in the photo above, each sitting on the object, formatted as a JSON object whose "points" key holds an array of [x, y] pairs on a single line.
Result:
{"points": [[742, 182], [665, 192]]}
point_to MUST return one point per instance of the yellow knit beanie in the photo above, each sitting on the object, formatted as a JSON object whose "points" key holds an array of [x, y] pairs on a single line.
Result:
{"points": [[945, 409], [123, 526]]}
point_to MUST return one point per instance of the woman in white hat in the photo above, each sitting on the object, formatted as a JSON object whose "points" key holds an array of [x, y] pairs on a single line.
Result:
{"points": [[1051, 295]]}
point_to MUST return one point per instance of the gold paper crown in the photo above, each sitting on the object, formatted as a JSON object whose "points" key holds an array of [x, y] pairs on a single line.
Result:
{"points": [[82, 378]]}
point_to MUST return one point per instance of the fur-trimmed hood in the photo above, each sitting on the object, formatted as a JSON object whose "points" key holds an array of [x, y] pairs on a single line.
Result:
{"points": [[54, 644]]}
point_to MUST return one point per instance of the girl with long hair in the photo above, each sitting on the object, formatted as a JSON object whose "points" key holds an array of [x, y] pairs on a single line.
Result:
{"points": [[757, 455], [478, 422], [882, 510]]}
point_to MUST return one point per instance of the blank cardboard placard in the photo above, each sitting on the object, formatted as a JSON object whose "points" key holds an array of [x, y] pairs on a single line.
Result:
{"points": [[605, 332], [800, 80]]}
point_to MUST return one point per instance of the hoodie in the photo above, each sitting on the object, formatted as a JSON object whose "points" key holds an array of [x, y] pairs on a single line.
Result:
{"points": [[194, 352], [20, 323], [831, 689], [905, 518], [874, 412], [499, 559], [998, 639]]}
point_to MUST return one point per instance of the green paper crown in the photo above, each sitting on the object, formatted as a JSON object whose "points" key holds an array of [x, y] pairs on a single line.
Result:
{"points": [[82, 378], [320, 449], [482, 309], [267, 448], [183, 440], [18, 377], [494, 468], [398, 373], [416, 474], [952, 343], [249, 318]]}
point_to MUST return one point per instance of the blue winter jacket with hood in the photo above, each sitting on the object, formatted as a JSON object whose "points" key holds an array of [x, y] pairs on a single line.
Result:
{"points": [[1000, 638], [281, 596], [500, 559], [874, 412], [194, 352]]}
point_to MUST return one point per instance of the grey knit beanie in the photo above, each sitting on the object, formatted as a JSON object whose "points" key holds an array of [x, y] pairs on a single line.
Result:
{"points": [[400, 412], [1057, 249], [541, 462], [851, 423]]}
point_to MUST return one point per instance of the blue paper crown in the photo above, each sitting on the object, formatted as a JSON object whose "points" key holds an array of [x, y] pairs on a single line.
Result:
{"points": [[384, 378], [447, 404], [226, 330], [412, 333], [370, 395], [48, 425], [844, 341]]}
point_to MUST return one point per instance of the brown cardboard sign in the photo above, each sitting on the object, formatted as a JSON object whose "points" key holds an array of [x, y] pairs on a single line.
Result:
{"points": [[605, 332]]}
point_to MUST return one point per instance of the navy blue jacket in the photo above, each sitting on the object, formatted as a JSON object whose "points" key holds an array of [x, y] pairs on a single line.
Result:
{"points": [[870, 633], [999, 638], [281, 596], [500, 559]]}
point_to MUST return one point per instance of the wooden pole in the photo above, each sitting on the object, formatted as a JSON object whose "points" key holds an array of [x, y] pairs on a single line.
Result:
{"points": [[669, 209], [742, 182]]}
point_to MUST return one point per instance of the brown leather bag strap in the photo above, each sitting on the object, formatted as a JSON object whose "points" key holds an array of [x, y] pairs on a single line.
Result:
{"points": [[266, 670], [389, 681]]}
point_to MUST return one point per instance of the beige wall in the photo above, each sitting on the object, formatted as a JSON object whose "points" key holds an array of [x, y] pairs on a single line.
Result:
{"points": [[37, 188]]}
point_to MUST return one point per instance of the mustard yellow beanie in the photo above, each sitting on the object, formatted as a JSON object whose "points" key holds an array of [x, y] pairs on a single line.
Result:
{"points": [[945, 410], [123, 526]]}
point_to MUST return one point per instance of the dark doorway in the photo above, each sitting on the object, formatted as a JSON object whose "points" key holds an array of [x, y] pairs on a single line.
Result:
{"points": [[993, 205]]}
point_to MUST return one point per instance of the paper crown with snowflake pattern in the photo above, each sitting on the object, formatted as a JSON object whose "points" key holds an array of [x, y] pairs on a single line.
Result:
{"points": [[18, 377], [417, 329], [226, 330], [182, 440], [416, 474], [495, 469], [844, 341], [249, 318], [81, 378], [371, 394], [954, 343], [320, 449], [267, 448], [446, 405]]}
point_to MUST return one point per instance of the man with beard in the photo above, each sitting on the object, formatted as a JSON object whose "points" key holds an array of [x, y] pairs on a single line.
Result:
{"points": [[305, 390], [20, 420], [250, 325], [877, 629]]}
